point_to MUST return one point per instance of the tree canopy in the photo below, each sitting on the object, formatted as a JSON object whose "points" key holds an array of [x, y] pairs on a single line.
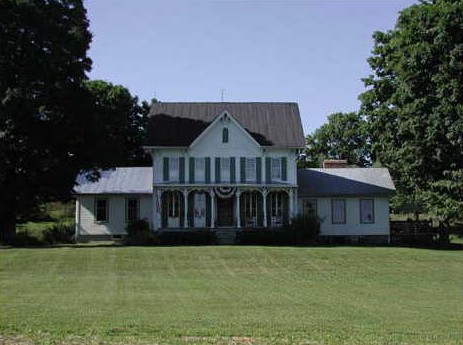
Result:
{"points": [[414, 102], [344, 136], [53, 122]]}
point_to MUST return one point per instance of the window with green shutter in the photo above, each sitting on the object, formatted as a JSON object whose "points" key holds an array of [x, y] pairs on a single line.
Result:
{"points": [[258, 169], [284, 168], [232, 170], [165, 169], [208, 169], [181, 174]]}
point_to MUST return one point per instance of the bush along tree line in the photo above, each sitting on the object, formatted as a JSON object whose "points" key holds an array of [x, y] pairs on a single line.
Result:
{"points": [[411, 114], [54, 122]]}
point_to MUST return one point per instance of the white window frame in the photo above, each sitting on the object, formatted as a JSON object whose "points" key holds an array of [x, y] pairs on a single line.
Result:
{"points": [[309, 206], [127, 208], [338, 206], [173, 205], [200, 169], [275, 168], [106, 210], [250, 169], [369, 216], [174, 169], [225, 163]]}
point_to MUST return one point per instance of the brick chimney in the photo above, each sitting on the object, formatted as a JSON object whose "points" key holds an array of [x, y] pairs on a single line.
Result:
{"points": [[334, 163]]}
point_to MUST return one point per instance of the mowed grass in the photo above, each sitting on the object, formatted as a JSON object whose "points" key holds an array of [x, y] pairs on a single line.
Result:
{"points": [[221, 294]]}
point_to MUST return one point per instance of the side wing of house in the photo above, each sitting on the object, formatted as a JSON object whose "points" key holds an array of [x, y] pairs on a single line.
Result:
{"points": [[105, 207], [352, 203]]}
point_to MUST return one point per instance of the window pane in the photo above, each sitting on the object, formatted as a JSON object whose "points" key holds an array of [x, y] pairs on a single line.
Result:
{"points": [[174, 168], [338, 211], [276, 168], [225, 135], [225, 169], [102, 210], [309, 207], [200, 167], [250, 169], [367, 211], [132, 209]]}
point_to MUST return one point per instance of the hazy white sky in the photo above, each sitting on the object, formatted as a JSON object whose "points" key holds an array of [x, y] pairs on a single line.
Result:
{"points": [[310, 52]]}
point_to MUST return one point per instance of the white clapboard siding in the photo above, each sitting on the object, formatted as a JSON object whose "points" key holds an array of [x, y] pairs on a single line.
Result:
{"points": [[86, 217]]}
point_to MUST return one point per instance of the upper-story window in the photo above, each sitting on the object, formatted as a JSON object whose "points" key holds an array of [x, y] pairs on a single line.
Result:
{"points": [[225, 169], [200, 169], [171, 169], [276, 169], [174, 168], [250, 169], [225, 135]]}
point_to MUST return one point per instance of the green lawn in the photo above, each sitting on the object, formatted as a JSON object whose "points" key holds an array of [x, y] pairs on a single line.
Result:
{"points": [[320, 295]]}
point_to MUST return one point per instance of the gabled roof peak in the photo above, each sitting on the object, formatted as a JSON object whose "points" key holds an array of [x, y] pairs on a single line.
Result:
{"points": [[276, 124]]}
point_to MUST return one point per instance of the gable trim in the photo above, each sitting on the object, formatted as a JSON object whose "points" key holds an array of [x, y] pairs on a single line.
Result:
{"points": [[216, 120]]}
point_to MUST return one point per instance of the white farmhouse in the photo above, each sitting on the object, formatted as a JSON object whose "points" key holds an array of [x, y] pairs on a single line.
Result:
{"points": [[231, 166]]}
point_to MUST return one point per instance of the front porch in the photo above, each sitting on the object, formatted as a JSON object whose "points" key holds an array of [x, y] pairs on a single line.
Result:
{"points": [[222, 207]]}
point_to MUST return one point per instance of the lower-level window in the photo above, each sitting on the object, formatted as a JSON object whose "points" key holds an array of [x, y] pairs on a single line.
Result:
{"points": [[309, 207], [132, 209], [250, 205], [367, 211], [173, 205], [101, 208], [276, 202], [338, 211]]}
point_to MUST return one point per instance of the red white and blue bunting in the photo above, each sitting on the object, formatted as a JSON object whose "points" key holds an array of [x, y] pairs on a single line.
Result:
{"points": [[225, 192]]}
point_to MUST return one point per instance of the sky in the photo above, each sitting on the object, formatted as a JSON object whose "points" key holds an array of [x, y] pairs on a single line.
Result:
{"points": [[310, 52]]}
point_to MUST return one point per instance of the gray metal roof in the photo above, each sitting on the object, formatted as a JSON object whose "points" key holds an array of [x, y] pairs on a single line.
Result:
{"points": [[345, 182], [118, 181], [270, 123]]}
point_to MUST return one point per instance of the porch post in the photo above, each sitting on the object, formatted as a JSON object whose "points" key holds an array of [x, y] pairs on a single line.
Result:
{"points": [[238, 213], [158, 210], [185, 208], [264, 196], [290, 208], [212, 194], [154, 208]]}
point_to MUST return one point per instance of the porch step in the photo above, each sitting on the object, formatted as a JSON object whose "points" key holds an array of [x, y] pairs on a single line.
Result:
{"points": [[226, 236]]}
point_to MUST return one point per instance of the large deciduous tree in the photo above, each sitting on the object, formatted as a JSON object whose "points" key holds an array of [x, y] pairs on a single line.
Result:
{"points": [[121, 121], [54, 124], [414, 102], [344, 136]]}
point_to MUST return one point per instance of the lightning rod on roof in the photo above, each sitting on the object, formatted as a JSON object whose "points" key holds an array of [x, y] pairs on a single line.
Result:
{"points": [[223, 94]]}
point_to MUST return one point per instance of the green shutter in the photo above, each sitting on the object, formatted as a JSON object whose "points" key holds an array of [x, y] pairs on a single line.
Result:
{"points": [[284, 167], [208, 169], [268, 170], [217, 169], [163, 210], [191, 209], [192, 170], [258, 169], [243, 169], [181, 208], [208, 210], [232, 170], [166, 169], [260, 210], [181, 166]]}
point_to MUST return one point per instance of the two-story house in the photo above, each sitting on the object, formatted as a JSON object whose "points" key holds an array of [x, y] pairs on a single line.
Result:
{"points": [[231, 165], [224, 164]]}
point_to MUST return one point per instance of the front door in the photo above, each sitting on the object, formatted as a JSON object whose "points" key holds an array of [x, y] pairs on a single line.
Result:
{"points": [[225, 212]]}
